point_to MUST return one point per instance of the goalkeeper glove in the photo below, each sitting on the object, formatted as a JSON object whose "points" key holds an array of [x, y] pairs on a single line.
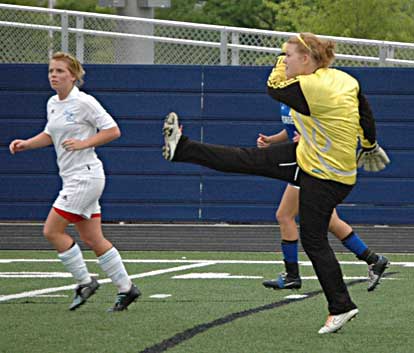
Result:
{"points": [[373, 159]]}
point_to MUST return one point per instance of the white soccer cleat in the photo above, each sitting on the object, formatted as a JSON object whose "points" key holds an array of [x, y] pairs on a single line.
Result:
{"points": [[172, 134], [335, 322]]}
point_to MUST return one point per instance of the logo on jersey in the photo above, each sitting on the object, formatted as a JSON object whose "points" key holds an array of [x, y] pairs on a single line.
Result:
{"points": [[285, 114], [317, 171], [69, 116], [287, 120]]}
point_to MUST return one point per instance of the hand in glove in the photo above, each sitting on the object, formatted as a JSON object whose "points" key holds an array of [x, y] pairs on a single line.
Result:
{"points": [[373, 159]]}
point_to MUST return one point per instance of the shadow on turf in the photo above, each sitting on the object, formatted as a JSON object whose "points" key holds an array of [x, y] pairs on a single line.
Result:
{"points": [[191, 332]]}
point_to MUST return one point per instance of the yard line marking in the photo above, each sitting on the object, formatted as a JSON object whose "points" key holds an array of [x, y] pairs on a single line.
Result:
{"points": [[9, 261], [348, 277], [179, 261], [160, 296], [38, 274], [213, 275], [53, 296], [296, 296], [35, 274], [35, 293], [172, 269]]}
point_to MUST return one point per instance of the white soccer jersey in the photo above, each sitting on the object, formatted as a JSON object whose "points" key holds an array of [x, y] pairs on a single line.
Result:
{"points": [[78, 116]]}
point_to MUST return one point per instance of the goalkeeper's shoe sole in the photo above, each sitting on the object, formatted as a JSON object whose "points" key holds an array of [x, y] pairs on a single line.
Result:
{"points": [[83, 292], [172, 134], [375, 272], [335, 322]]}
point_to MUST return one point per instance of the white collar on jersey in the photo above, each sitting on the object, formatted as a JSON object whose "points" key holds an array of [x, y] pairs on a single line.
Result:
{"points": [[72, 94]]}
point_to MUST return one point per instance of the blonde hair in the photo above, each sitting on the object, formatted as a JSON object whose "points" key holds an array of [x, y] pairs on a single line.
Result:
{"points": [[74, 66], [322, 51]]}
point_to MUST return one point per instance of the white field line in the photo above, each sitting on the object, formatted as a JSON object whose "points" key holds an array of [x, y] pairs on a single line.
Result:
{"points": [[181, 261], [25, 274], [35, 293], [213, 275], [160, 296], [53, 296], [192, 264]]}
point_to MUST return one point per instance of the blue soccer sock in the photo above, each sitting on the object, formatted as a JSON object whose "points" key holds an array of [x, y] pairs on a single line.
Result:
{"points": [[355, 244], [290, 250]]}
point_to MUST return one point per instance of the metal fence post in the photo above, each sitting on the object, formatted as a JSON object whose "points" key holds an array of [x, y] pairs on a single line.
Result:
{"points": [[386, 52], [223, 47], [390, 53], [80, 42], [382, 54], [64, 33], [235, 53]]}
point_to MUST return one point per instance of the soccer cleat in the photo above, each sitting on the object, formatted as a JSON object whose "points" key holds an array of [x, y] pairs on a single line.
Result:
{"points": [[375, 272], [124, 299], [83, 292], [284, 282], [172, 134], [335, 322]]}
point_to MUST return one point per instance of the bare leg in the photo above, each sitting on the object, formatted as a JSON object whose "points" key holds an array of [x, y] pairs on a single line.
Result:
{"points": [[54, 231], [286, 213], [338, 227], [90, 231], [110, 261]]}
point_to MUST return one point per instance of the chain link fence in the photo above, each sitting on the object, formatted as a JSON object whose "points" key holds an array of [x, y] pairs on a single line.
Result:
{"points": [[31, 34]]}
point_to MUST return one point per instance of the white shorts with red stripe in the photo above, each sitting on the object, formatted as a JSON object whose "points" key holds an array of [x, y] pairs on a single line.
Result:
{"points": [[80, 195]]}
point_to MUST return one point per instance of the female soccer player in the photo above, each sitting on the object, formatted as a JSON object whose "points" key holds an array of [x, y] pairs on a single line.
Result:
{"points": [[289, 209], [73, 119], [330, 113]]}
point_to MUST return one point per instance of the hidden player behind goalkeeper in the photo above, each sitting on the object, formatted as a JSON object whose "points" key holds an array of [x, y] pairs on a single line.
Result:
{"points": [[331, 113]]}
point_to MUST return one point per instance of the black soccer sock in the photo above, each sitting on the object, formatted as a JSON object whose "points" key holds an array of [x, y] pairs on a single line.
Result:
{"points": [[369, 257], [292, 269]]}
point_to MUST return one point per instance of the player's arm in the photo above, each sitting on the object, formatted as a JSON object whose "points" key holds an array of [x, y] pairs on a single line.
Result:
{"points": [[102, 137], [286, 91], [367, 122], [38, 141], [264, 141], [371, 156], [282, 136]]}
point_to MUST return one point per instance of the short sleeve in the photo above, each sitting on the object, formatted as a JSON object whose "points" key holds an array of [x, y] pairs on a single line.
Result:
{"points": [[97, 115]]}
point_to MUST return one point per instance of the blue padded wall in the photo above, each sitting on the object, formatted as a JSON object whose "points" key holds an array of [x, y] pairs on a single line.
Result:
{"points": [[216, 104]]}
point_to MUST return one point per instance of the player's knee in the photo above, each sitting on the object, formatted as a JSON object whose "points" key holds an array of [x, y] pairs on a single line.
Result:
{"points": [[49, 233], [89, 242], [284, 218], [93, 241]]}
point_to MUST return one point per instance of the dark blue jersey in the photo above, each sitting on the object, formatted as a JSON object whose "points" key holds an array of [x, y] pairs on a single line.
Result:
{"points": [[287, 121]]}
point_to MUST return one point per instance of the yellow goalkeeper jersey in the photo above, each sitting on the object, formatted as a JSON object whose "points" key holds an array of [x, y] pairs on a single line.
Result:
{"points": [[331, 114]]}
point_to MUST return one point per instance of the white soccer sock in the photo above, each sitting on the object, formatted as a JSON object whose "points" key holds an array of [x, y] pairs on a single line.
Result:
{"points": [[73, 261], [111, 264]]}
